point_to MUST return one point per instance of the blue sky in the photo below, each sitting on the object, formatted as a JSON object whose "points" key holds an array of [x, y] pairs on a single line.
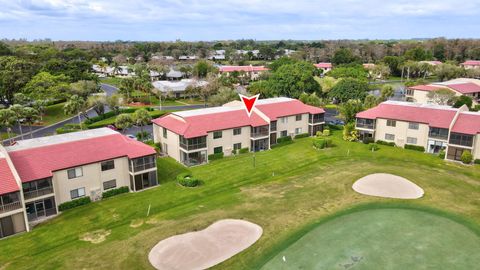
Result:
{"points": [[236, 19]]}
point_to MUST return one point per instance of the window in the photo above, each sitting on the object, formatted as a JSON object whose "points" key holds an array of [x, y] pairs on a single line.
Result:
{"points": [[164, 133], [412, 125], [391, 123], [298, 130], [217, 134], [411, 140], [109, 184], [283, 133], [108, 165], [389, 137], [217, 150], [284, 119], [298, 117], [75, 172], [237, 146], [77, 193], [237, 131]]}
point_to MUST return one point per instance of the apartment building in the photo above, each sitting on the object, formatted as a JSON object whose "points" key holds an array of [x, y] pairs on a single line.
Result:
{"points": [[326, 67], [190, 136], [39, 174], [252, 72], [434, 127], [461, 86]]}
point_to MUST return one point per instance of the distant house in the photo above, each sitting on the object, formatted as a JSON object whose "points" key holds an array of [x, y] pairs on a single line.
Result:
{"points": [[368, 65], [461, 86], [174, 75], [154, 75], [326, 67], [102, 71], [176, 88], [162, 57], [124, 71], [217, 55], [255, 53], [471, 64], [251, 71], [187, 57]]}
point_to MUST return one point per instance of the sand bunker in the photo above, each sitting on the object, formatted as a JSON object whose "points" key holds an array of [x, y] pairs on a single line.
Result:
{"points": [[95, 237], [388, 186], [203, 249]]}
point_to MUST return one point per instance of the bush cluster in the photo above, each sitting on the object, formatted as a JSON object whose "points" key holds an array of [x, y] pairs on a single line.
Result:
{"points": [[442, 154], [115, 191], [187, 180], [74, 203], [373, 147], [385, 143], [142, 135], [414, 147], [466, 157], [242, 150], [108, 115], [302, 135], [284, 139], [476, 161], [215, 156], [321, 143]]}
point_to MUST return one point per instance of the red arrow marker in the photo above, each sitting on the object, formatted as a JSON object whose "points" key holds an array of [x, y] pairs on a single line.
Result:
{"points": [[249, 102]]}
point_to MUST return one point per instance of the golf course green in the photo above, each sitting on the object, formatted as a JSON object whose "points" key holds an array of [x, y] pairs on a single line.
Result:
{"points": [[391, 238]]}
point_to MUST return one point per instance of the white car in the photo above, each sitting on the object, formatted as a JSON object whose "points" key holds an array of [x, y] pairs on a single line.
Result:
{"points": [[133, 137]]}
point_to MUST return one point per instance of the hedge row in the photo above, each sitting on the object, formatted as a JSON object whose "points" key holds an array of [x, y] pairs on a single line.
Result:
{"points": [[285, 142], [75, 203], [187, 180], [302, 135], [476, 161], [215, 156], [284, 139], [242, 150], [109, 114], [414, 147], [115, 191], [385, 143]]}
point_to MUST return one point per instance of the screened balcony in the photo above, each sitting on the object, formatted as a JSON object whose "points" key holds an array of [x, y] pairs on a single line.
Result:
{"points": [[461, 139], [257, 132], [365, 123], [316, 118], [193, 143], [10, 202], [37, 188]]}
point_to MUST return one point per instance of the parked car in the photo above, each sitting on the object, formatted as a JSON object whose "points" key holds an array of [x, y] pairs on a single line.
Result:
{"points": [[131, 136], [112, 127], [336, 122]]}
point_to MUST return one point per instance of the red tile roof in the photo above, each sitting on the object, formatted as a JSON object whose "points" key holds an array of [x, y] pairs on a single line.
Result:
{"points": [[471, 63], [467, 123], [465, 88], [424, 87], [434, 117], [323, 65], [200, 125], [292, 107], [39, 162], [7, 180], [242, 68]]}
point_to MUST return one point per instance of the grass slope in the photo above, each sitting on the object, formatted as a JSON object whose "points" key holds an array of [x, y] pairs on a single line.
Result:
{"points": [[290, 187]]}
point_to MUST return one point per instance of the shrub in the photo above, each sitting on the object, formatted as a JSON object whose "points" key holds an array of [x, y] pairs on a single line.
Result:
{"points": [[373, 147], [385, 143], [215, 156], [414, 147], [284, 139], [63, 130], [142, 136], [368, 140], [75, 203], [322, 143], [187, 180], [115, 191], [442, 154], [302, 135], [466, 157], [326, 132], [476, 161], [319, 134], [243, 150], [350, 133]]}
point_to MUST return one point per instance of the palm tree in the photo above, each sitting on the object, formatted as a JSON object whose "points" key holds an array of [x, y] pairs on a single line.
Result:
{"points": [[75, 105], [31, 116], [124, 121], [19, 111], [7, 119], [141, 118], [40, 106]]}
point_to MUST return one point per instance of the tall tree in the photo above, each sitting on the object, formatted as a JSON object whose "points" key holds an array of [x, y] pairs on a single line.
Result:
{"points": [[124, 121], [348, 88], [349, 109], [31, 116], [75, 105], [141, 117], [7, 119], [14, 75], [47, 86], [19, 112]]}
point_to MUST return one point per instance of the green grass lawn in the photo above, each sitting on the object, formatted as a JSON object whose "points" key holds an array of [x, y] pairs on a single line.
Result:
{"points": [[54, 113], [289, 189], [112, 81], [389, 238]]}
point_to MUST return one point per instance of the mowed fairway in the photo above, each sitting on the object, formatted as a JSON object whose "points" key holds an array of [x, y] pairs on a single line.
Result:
{"points": [[289, 189], [391, 238]]}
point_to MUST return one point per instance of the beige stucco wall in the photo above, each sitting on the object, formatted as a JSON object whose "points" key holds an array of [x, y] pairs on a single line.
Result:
{"points": [[292, 124], [92, 179], [401, 132], [19, 222], [228, 140], [476, 149]]}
